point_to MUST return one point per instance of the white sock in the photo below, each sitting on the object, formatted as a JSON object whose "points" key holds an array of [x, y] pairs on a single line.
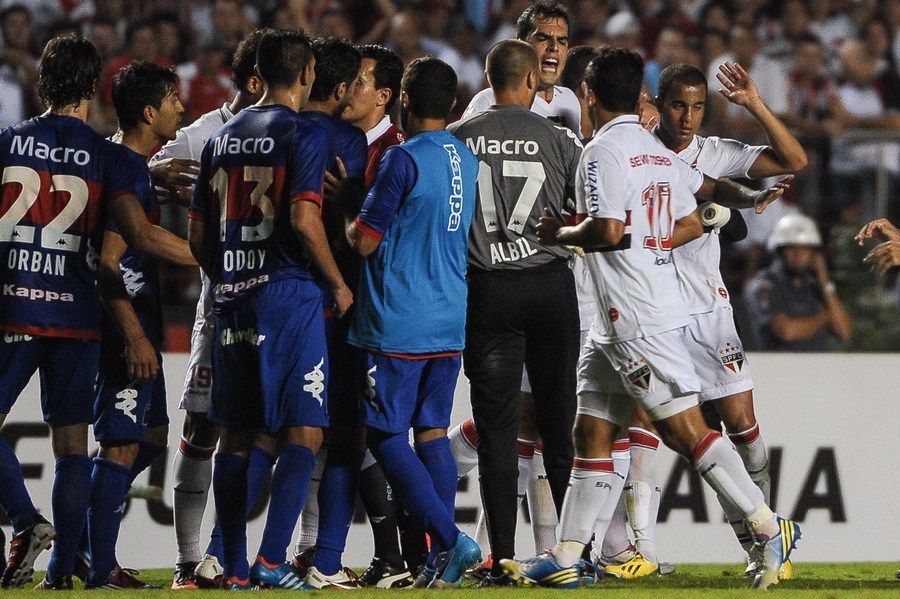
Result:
{"points": [[750, 447], [464, 446], [525, 450], [593, 492], [481, 535], [192, 472], [540, 504], [720, 466], [616, 540], [309, 517], [639, 491]]}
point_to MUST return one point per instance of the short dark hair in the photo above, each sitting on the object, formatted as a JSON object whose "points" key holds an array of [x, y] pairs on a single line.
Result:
{"points": [[388, 71], [337, 61], [70, 68], [14, 8], [615, 77], [541, 10], [576, 64], [138, 85], [509, 62], [430, 84], [685, 74], [244, 60], [282, 55]]}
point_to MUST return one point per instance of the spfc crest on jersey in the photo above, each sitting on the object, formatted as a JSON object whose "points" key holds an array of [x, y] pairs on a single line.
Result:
{"points": [[639, 374], [732, 357]]}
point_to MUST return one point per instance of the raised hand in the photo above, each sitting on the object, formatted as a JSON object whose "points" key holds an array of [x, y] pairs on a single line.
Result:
{"points": [[738, 87]]}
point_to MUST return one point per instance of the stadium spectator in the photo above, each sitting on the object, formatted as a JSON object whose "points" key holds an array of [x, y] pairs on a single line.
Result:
{"points": [[205, 84], [794, 304], [729, 119], [104, 35], [18, 67]]}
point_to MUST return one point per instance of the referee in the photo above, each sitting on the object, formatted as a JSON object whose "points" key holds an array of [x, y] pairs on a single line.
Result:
{"points": [[522, 305]]}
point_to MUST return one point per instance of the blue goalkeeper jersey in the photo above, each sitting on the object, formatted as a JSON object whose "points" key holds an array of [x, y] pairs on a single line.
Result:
{"points": [[412, 293]]}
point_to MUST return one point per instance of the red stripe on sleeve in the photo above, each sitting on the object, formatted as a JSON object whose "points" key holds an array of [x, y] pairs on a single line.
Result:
{"points": [[367, 230]]}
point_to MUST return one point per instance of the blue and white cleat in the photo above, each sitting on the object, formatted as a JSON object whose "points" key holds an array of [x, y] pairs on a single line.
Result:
{"points": [[269, 576], [774, 552], [452, 565], [590, 572], [542, 570]]}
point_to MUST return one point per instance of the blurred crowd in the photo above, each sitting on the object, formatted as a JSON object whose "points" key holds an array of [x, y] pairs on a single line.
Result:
{"points": [[829, 68]]}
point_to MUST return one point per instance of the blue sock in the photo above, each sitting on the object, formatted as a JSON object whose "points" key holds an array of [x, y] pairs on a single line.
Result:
{"points": [[230, 493], [109, 484], [14, 499], [412, 483], [260, 465], [70, 496], [290, 484], [438, 460], [337, 502], [147, 454]]}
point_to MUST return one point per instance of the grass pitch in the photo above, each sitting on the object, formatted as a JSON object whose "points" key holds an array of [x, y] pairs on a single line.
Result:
{"points": [[838, 581]]}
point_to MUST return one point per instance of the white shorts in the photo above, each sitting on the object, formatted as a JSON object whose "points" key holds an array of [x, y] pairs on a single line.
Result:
{"points": [[197, 394], [718, 354], [601, 393], [656, 372]]}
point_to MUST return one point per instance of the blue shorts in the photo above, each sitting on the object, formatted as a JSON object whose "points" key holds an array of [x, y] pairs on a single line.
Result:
{"points": [[67, 369], [123, 411], [402, 393], [270, 360]]}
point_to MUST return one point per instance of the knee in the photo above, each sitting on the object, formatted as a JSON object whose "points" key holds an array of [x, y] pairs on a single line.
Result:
{"points": [[122, 454], [199, 430]]}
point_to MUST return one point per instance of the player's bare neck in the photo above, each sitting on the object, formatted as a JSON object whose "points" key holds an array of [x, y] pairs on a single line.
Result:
{"points": [[78, 111], [547, 94], [289, 97], [669, 141], [417, 124], [326, 107], [519, 96], [141, 140]]}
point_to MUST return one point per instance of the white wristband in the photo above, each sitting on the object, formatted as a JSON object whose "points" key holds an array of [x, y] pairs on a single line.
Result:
{"points": [[714, 215]]}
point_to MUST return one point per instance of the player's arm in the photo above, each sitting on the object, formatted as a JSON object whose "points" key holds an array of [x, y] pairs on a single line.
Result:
{"points": [[145, 237], [733, 195], [140, 355], [396, 177], [687, 229], [307, 223], [589, 233], [784, 155]]}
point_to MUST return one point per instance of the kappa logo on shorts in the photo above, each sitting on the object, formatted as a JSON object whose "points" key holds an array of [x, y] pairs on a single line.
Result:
{"points": [[639, 374], [732, 357], [316, 380], [128, 403], [370, 387]]}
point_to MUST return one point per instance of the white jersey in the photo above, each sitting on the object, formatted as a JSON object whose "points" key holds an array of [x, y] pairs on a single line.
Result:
{"points": [[627, 175], [189, 141], [697, 262], [563, 108], [188, 144]]}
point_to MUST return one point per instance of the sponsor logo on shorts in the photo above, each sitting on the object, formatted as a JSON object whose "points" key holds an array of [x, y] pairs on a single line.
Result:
{"points": [[639, 374], [230, 336], [732, 357], [370, 387], [316, 384], [128, 403], [723, 292], [613, 315]]}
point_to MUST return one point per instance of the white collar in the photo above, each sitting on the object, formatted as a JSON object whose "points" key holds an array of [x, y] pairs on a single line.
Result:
{"points": [[378, 130]]}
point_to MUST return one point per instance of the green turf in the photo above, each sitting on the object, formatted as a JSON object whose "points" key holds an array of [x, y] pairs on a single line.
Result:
{"points": [[837, 581]]}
